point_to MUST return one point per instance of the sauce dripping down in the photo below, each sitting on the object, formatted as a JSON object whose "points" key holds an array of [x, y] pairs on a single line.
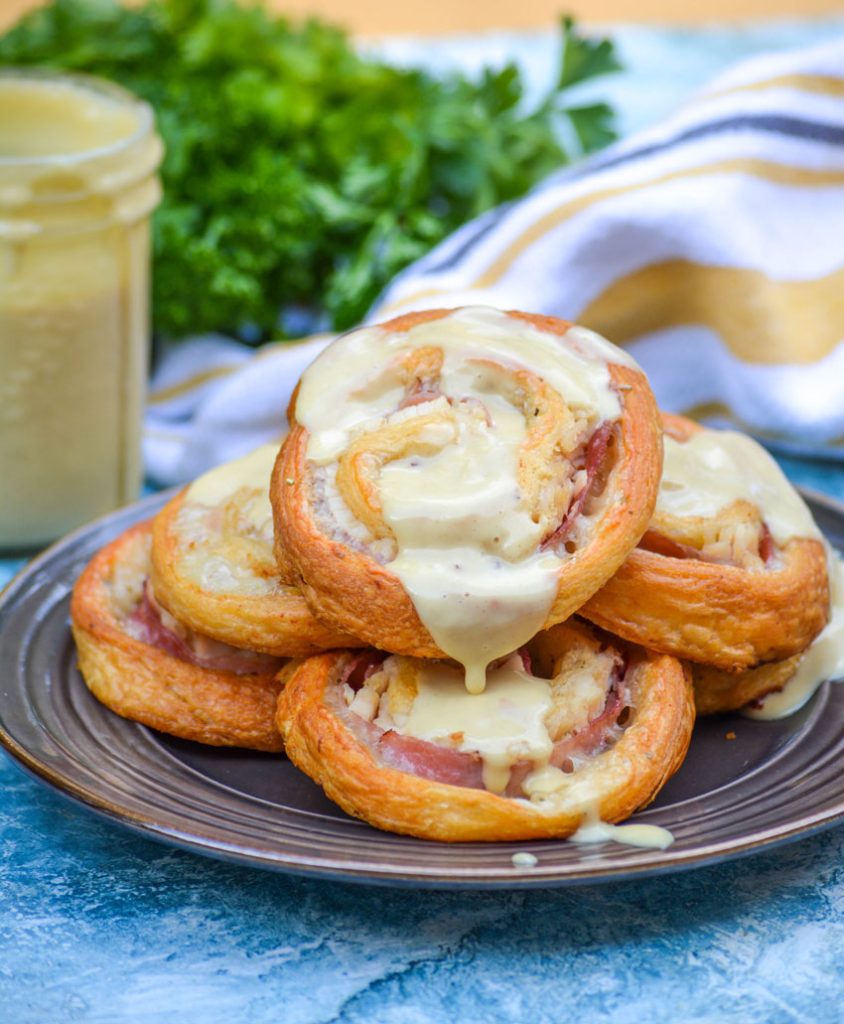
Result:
{"points": [[822, 660], [420, 719], [711, 470], [469, 552], [593, 830]]}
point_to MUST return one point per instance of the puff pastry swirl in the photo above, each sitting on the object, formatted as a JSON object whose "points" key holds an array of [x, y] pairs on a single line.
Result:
{"points": [[735, 587], [213, 566], [612, 723], [146, 667], [538, 449]]}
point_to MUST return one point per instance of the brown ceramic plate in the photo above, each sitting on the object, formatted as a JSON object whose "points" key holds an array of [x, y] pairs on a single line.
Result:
{"points": [[774, 782]]}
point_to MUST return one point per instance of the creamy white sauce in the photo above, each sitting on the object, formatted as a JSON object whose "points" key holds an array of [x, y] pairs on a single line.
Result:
{"points": [[524, 859], [55, 118], [503, 724], [337, 396], [593, 830], [824, 658], [467, 545], [715, 468], [477, 608], [507, 724], [77, 184], [544, 781]]}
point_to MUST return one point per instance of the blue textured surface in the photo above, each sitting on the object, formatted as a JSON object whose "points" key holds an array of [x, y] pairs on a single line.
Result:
{"points": [[101, 926]]}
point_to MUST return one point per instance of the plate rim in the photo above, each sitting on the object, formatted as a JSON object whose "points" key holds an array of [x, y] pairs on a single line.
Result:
{"points": [[368, 871]]}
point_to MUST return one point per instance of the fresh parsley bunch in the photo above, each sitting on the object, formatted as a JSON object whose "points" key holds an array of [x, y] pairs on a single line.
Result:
{"points": [[300, 174]]}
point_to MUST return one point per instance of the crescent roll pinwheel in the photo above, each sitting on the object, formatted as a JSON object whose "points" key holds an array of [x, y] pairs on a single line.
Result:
{"points": [[213, 566], [456, 480], [574, 727], [145, 665], [732, 572]]}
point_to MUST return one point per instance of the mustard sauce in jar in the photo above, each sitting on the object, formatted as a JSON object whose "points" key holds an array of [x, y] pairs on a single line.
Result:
{"points": [[78, 162]]}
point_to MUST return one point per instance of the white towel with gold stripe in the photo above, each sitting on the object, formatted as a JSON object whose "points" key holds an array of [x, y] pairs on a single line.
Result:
{"points": [[711, 246]]}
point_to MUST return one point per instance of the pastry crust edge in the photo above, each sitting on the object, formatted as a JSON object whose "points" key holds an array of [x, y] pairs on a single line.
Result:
{"points": [[717, 691], [141, 682], [626, 777], [278, 624], [719, 615]]}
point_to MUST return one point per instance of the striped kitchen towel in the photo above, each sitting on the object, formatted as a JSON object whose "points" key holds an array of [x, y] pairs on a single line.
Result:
{"points": [[710, 246]]}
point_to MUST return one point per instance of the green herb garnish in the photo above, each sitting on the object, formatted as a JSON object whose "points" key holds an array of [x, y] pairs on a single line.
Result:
{"points": [[298, 172]]}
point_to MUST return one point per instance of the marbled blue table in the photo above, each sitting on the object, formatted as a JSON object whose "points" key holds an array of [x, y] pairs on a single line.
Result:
{"points": [[101, 926]]}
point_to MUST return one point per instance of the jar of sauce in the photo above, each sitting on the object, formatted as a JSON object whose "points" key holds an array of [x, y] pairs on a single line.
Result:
{"points": [[78, 162]]}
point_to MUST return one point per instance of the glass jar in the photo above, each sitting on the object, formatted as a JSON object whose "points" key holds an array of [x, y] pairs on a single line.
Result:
{"points": [[78, 162]]}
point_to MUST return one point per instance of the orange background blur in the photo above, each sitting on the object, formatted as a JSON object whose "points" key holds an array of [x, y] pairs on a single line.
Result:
{"points": [[429, 16]]}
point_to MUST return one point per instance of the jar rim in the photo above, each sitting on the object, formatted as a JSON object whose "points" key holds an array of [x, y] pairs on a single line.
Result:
{"points": [[90, 83]]}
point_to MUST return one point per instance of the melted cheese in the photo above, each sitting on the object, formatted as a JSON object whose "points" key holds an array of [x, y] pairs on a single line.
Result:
{"points": [[504, 724], [824, 658], [458, 517], [715, 468]]}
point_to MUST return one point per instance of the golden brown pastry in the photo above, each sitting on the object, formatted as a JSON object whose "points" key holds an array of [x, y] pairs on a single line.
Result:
{"points": [[717, 691], [732, 571], [456, 480], [575, 726], [213, 566], [144, 665]]}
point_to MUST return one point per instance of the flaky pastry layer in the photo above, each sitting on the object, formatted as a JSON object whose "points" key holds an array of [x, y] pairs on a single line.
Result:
{"points": [[347, 586], [140, 681], [277, 622], [712, 613], [717, 691]]}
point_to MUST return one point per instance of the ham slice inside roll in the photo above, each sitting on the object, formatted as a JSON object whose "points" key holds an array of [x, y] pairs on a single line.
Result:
{"points": [[376, 695], [596, 452], [153, 625], [660, 544]]}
